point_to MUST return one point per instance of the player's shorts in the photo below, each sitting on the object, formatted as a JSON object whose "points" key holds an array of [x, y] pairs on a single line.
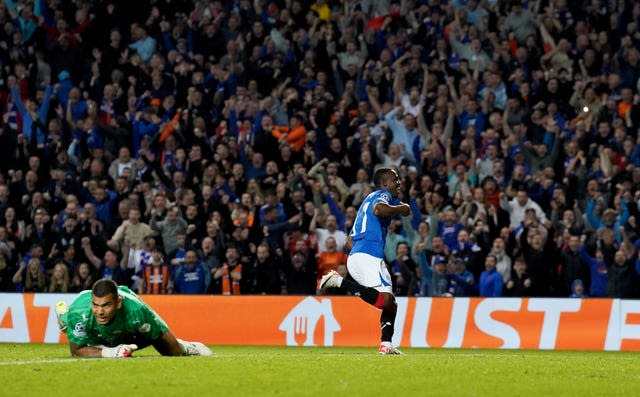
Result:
{"points": [[369, 271]]}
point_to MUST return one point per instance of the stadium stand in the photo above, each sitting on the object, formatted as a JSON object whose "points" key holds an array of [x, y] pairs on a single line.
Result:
{"points": [[137, 134]]}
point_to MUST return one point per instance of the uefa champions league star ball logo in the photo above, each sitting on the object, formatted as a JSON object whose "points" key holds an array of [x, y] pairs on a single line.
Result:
{"points": [[79, 331]]}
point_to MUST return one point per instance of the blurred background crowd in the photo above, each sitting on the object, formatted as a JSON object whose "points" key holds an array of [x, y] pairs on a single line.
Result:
{"points": [[197, 146]]}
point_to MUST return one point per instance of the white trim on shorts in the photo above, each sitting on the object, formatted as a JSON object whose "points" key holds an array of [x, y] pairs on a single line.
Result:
{"points": [[369, 271]]}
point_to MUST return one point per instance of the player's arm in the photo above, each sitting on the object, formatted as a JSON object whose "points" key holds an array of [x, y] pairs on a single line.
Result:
{"points": [[119, 351], [384, 209], [84, 351], [348, 244], [168, 345]]}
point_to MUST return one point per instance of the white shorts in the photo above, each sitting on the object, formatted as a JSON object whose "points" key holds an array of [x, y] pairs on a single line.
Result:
{"points": [[369, 271]]}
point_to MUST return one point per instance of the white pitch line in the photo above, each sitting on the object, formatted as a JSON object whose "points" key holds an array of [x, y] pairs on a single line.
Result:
{"points": [[51, 361], [66, 360], [227, 355], [72, 360]]}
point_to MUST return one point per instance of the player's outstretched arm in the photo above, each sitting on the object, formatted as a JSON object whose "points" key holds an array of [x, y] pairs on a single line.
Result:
{"points": [[84, 351], [384, 210], [120, 351], [169, 345]]}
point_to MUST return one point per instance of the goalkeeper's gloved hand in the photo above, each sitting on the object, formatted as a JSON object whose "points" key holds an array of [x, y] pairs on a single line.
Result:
{"points": [[119, 351]]}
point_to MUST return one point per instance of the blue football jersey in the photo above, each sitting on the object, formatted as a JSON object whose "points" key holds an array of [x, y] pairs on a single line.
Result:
{"points": [[369, 231]]}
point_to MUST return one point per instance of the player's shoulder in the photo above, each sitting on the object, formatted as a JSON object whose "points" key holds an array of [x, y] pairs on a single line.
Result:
{"points": [[82, 301], [126, 294], [130, 300], [79, 316], [124, 290], [382, 195]]}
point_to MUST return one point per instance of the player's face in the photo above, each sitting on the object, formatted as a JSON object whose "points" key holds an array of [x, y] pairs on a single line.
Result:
{"points": [[394, 184], [105, 308]]}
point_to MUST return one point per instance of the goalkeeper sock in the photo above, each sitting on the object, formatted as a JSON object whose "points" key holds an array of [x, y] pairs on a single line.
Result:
{"points": [[367, 294]]}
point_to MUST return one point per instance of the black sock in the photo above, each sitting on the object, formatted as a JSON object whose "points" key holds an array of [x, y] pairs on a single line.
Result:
{"points": [[387, 320], [367, 294]]}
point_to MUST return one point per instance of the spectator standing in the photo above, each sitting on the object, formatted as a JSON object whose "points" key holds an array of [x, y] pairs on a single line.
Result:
{"points": [[59, 281], [82, 278], [403, 271], [301, 275], [598, 271], [110, 267], [573, 268], [330, 230], [462, 281], [490, 280], [132, 232], [169, 228], [230, 273], [191, 277], [265, 275], [30, 278], [330, 258], [520, 283], [156, 275], [621, 276], [437, 280]]}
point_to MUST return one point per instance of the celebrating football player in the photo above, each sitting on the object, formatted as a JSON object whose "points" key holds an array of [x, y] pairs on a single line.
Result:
{"points": [[365, 263]]}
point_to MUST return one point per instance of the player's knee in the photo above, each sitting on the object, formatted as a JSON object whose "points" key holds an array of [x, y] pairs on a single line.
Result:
{"points": [[390, 303]]}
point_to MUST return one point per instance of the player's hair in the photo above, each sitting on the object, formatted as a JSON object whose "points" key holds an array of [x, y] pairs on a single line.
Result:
{"points": [[380, 174], [104, 287]]}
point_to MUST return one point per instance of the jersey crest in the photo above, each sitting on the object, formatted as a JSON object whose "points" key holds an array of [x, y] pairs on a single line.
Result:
{"points": [[79, 330]]}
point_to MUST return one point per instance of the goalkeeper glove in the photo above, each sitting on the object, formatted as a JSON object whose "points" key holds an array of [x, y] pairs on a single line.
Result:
{"points": [[119, 351]]}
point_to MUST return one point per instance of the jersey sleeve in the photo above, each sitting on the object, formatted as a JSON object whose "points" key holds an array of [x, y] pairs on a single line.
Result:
{"points": [[395, 201], [143, 320], [77, 330], [157, 327], [78, 320], [383, 197]]}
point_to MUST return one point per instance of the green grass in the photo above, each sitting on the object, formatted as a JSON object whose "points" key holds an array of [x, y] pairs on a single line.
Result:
{"points": [[38, 370]]}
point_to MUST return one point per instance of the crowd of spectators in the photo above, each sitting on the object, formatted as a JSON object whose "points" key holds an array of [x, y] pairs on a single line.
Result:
{"points": [[199, 146]]}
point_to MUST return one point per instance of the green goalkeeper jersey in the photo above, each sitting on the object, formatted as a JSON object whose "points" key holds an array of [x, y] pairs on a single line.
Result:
{"points": [[134, 319]]}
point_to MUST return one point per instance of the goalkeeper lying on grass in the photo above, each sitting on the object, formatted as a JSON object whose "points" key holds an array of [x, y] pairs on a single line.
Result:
{"points": [[112, 321]]}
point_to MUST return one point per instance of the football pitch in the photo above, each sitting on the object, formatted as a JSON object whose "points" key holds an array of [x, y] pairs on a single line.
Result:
{"points": [[48, 370]]}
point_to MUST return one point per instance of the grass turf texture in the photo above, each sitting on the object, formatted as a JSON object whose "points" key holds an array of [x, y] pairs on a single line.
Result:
{"points": [[39, 370]]}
